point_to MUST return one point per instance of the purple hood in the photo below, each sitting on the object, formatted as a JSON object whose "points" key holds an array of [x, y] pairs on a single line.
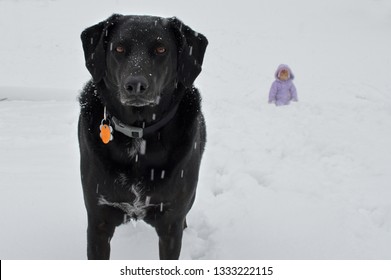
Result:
{"points": [[284, 67]]}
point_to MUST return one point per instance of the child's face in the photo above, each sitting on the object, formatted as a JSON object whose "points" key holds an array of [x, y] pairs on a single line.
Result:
{"points": [[284, 75]]}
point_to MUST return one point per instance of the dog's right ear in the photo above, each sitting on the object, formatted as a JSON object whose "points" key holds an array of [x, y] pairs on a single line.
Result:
{"points": [[94, 41], [192, 46]]}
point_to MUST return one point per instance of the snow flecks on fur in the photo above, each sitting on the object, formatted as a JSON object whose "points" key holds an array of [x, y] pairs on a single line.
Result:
{"points": [[152, 174], [147, 200], [158, 100], [143, 147]]}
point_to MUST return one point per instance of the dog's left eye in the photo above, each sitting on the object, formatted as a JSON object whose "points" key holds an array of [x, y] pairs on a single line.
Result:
{"points": [[160, 50], [120, 49]]}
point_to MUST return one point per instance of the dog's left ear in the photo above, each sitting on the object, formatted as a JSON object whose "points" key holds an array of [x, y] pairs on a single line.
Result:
{"points": [[191, 50], [94, 41]]}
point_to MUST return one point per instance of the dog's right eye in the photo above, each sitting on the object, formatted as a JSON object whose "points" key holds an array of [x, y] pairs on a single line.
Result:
{"points": [[120, 49], [160, 50]]}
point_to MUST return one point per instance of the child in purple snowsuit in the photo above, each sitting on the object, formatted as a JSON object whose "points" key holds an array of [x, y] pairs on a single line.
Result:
{"points": [[283, 90]]}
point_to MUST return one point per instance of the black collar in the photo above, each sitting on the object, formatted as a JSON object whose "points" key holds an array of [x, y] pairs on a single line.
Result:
{"points": [[140, 132]]}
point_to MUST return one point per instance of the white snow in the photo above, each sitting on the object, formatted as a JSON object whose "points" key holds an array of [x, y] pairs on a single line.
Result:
{"points": [[306, 181]]}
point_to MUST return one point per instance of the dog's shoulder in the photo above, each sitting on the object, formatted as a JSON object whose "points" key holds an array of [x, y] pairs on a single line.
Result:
{"points": [[89, 100], [91, 112], [190, 106], [193, 126]]}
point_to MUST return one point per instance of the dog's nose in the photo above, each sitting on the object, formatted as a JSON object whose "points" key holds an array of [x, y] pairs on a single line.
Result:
{"points": [[136, 85]]}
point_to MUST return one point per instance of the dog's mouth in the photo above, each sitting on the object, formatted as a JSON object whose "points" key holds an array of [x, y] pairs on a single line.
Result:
{"points": [[138, 102]]}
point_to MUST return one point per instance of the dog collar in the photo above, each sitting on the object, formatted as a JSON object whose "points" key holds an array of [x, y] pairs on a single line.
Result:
{"points": [[132, 131]]}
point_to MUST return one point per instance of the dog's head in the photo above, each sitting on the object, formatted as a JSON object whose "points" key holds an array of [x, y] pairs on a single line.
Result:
{"points": [[141, 58]]}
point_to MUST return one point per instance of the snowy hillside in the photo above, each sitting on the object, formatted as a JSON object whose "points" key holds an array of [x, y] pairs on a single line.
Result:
{"points": [[310, 180]]}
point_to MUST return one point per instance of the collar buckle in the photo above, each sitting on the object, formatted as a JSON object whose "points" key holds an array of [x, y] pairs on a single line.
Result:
{"points": [[136, 132]]}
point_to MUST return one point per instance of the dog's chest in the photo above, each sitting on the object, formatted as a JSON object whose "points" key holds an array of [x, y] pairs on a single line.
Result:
{"points": [[135, 197], [136, 184], [133, 204]]}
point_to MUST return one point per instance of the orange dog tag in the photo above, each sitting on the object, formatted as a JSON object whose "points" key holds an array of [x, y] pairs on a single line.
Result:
{"points": [[106, 133]]}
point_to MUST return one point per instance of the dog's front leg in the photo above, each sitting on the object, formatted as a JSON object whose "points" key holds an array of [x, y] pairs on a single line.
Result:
{"points": [[170, 239], [99, 234]]}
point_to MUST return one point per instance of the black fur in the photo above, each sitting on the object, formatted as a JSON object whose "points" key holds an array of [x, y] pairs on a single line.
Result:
{"points": [[141, 86]]}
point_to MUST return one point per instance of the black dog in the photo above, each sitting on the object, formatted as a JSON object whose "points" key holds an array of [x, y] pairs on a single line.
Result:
{"points": [[141, 130]]}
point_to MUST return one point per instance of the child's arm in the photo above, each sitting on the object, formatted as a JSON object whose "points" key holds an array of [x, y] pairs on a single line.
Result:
{"points": [[273, 93], [294, 93]]}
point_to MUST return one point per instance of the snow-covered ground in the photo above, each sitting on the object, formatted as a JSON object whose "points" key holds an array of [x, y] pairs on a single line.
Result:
{"points": [[307, 181]]}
